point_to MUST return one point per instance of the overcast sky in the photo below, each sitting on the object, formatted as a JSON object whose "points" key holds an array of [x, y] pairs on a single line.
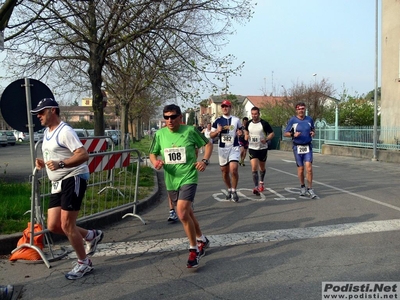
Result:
{"points": [[288, 41]]}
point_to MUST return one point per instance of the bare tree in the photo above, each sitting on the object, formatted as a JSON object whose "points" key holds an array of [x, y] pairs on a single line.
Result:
{"points": [[314, 96], [70, 41]]}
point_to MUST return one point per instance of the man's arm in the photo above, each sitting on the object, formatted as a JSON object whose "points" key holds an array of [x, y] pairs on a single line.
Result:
{"points": [[157, 163], [267, 128], [79, 156]]}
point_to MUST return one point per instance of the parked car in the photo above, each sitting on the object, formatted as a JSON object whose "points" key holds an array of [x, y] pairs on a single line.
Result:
{"points": [[90, 132], [3, 139], [81, 132], [38, 135], [114, 135], [11, 140], [21, 136]]}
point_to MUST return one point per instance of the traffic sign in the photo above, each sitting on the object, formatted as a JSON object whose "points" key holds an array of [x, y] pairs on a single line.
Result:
{"points": [[13, 103]]}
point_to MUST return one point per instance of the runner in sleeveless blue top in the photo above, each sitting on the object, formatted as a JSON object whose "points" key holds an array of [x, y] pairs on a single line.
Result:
{"points": [[301, 129], [228, 128]]}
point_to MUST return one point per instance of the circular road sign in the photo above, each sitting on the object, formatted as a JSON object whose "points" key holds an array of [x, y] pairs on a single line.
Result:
{"points": [[14, 107]]}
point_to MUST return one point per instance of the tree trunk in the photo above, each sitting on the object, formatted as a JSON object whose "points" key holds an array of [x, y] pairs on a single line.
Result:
{"points": [[98, 104], [124, 126]]}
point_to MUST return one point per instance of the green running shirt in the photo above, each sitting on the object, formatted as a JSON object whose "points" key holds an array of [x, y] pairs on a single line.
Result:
{"points": [[175, 148]]}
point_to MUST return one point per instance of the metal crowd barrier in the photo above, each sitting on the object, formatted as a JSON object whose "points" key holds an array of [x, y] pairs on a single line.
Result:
{"points": [[113, 184]]}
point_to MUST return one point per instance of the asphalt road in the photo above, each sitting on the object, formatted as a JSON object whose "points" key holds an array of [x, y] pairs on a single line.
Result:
{"points": [[16, 162], [276, 246]]}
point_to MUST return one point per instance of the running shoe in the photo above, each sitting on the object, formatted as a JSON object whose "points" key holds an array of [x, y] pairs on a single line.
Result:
{"points": [[311, 194], [194, 258], [229, 195], [91, 246], [6, 292], [79, 270], [202, 246], [235, 197], [172, 216], [303, 191], [256, 191], [261, 186]]}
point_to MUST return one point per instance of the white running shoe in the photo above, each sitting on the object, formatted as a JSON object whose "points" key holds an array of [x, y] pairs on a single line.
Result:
{"points": [[311, 193], [79, 270], [303, 191], [91, 246]]}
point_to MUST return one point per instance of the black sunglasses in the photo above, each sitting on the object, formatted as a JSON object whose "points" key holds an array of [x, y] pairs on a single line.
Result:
{"points": [[223, 106], [172, 117]]}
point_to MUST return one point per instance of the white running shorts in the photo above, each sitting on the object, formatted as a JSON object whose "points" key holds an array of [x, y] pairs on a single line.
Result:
{"points": [[226, 155]]}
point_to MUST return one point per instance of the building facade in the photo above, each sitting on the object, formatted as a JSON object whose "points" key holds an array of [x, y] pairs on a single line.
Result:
{"points": [[390, 64]]}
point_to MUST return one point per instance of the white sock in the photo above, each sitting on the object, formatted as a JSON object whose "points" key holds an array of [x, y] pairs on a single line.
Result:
{"points": [[194, 247], [202, 238], [84, 261], [90, 235]]}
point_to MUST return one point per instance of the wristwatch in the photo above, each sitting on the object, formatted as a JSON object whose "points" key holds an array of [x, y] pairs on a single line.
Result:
{"points": [[61, 164], [205, 161]]}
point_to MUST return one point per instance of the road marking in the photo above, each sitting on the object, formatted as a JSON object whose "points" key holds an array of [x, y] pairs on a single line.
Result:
{"points": [[279, 195], [243, 238], [288, 161], [344, 191], [261, 197]]}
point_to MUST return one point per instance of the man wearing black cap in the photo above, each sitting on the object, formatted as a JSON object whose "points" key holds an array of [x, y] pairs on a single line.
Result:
{"points": [[227, 128], [64, 158]]}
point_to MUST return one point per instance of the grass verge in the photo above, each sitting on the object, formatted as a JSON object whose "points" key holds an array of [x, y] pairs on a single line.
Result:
{"points": [[16, 203]]}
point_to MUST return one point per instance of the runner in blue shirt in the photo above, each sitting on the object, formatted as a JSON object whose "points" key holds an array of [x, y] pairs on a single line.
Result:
{"points": [[301, 129]]}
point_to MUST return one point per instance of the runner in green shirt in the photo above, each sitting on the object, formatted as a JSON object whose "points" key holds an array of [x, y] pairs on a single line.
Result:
{"points": [[176, 144]]}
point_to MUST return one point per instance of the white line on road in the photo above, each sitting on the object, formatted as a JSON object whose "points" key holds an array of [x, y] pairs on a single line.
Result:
{"points": [[242, 238], [344, 191]]}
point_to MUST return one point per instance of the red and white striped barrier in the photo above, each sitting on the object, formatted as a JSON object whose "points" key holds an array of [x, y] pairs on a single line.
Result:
{"points": [[108, 161], [95, 145]]}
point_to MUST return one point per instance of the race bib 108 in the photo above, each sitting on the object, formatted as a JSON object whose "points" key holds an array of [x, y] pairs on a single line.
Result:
{"points": [[175, 155]]}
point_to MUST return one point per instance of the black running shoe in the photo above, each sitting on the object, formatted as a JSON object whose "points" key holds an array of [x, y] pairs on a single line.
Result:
{"points": [[235, 197], [194, 258], [256, 191], [202, 246]]}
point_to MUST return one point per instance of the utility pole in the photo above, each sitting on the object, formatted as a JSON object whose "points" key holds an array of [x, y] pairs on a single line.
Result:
{"points": [[272, 84], [375, 135]]}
